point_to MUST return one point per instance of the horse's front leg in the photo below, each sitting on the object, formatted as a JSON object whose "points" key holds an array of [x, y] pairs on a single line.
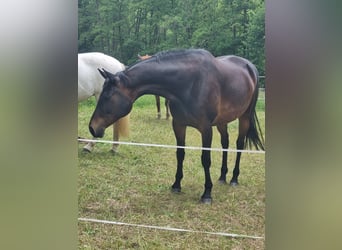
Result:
{"points": [[179, 131], [89, 147], [206, 162]]}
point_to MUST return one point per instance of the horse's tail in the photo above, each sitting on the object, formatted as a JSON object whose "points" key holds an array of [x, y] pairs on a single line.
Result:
{"points": [[254, 134], [122, 126]]}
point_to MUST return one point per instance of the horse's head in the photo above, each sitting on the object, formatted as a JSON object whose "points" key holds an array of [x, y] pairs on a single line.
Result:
{"points": [[113, 104]]}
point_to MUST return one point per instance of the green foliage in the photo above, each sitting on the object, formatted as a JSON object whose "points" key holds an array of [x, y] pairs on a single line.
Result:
{"points": [[124, 28], [256, 37]]}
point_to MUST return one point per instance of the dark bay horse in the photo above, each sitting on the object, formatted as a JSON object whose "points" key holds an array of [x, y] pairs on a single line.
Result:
{"points": [[167, 103], [204, 91]]}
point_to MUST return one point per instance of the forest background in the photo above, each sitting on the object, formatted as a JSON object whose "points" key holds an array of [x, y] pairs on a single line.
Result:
{"points": [[126, 28]]}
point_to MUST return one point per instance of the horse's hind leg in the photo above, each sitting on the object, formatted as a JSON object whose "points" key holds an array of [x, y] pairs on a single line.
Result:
{"points": [[225, 143], [167, 109], [158, 106], [179, 131], [115, 137], [240, 144]]}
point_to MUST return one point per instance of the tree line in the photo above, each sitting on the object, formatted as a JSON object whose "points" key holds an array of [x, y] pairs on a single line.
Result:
{"points": [[126, 28]]}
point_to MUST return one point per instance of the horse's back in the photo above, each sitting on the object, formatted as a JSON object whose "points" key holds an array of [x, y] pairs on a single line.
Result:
{"points": [[240, 62], [89, 79]]}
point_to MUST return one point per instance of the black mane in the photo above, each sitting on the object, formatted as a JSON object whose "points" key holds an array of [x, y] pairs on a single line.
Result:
{"points": [[171, 54], [123, 77], [168, 55]]}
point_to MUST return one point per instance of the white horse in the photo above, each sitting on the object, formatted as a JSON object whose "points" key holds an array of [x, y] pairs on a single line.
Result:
{"points": [[90, 84]]}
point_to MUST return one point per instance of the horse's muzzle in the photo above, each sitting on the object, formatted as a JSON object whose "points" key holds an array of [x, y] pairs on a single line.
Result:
{"points": [[96, 132]]}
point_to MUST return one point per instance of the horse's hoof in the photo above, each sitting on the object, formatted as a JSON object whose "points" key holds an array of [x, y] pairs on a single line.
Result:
{"points": [[113, 151], [223, 182], [86, 150], [234, 183], [206, 200], [175, 190]]}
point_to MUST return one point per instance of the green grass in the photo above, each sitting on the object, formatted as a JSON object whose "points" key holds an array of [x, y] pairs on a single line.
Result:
{"points": [[133, 186]]}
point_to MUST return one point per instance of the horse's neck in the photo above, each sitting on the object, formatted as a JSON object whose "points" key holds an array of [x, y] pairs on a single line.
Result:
{"points": [[151, 81]]}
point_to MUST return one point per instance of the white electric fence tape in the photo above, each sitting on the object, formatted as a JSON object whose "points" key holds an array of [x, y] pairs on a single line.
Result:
{"points": [[170, 228], [171, 146]]}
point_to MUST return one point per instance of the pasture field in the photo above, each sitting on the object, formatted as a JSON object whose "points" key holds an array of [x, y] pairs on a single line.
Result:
{"points": [[133, 186]]}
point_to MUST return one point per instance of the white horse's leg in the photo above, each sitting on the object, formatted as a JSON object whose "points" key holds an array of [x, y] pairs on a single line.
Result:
{"points": [[90, 145], [115, 137], [167, 105]]}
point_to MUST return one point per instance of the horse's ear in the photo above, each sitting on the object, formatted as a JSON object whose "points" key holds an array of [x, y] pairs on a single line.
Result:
{"points": [[106, 74], [103, 73]]}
